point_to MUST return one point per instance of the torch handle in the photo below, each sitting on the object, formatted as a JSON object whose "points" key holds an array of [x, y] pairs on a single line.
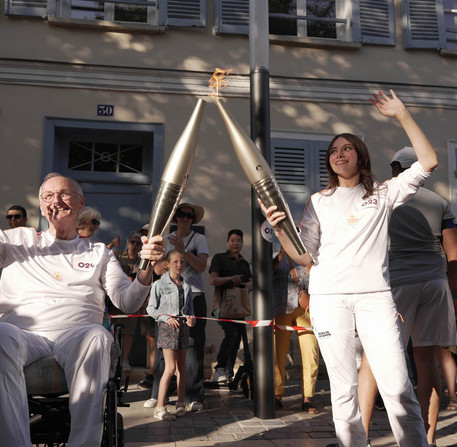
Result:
{"points": [[269, 192], [166, 202]]}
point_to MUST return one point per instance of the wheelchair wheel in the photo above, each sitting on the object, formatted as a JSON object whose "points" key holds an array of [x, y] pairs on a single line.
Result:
{"points": [[120, 431], [113, 430], [113, 438]]}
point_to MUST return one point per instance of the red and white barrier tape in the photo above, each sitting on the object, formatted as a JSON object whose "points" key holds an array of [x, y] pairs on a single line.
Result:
{"points": [[253, 323]]}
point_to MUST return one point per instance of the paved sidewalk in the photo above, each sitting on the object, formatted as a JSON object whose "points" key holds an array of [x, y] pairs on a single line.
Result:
{"points": [[229, 420]]}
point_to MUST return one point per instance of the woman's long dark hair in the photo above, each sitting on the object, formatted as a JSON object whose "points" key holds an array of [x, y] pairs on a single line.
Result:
{"points": [[363, 160]]}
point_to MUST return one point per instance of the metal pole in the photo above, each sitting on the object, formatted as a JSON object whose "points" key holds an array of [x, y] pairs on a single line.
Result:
{"points": [[262, 265]]}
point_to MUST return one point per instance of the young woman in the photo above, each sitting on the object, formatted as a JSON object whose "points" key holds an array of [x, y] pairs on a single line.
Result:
{"points": [[344, 229], [171, 306]]}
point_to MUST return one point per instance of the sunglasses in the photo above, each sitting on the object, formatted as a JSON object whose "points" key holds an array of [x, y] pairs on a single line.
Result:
{"points": [[95, 222], [182, 215], [13, 216]]}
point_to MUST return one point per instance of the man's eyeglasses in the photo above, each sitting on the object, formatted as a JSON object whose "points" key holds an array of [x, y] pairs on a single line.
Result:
{"points": [[14, 216], [182, 215], [65, 194], [95, 222]]}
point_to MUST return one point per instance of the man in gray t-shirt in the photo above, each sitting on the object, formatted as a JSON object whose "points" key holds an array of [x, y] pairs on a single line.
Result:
{"points": [[423, 240]]}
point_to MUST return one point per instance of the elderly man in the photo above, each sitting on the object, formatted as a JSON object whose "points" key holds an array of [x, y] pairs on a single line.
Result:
{"points": [[52, 295], [16, 216]]}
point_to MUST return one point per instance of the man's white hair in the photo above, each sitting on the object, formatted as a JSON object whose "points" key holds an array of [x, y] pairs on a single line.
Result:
{"points": [[51, 175]]}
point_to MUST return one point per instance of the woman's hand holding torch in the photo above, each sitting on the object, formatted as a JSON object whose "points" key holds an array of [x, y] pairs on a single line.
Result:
{"points": [[275, 218]]}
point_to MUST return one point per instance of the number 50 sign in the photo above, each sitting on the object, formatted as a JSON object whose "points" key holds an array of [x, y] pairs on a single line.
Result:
{"points": [[105, 110]]}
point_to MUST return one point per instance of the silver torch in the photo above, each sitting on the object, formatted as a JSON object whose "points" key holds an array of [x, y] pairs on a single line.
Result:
{"points": [[260, 175], [174, 177]]}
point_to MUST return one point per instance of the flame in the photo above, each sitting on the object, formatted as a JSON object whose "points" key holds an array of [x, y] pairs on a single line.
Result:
{"points": [[218, 80]]}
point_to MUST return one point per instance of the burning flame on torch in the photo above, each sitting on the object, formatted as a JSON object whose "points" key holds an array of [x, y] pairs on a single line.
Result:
{"points": [[218, 80]]}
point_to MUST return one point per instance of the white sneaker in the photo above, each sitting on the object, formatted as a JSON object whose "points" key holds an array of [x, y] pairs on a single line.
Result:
{"points": [[150, 403], [220, 376], [126, 365], [194, 406], [164, 414]]}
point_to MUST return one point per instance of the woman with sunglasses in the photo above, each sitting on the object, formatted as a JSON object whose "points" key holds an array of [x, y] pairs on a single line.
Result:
{"points": [[345, 230], [89, 222]]}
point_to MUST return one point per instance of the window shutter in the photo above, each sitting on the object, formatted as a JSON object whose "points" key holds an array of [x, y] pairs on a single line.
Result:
{"points": [[423, 24], [377, 24], [232, 16], [289, 166], [322, 182], [37, 8], [183, 12], [299, 168]]}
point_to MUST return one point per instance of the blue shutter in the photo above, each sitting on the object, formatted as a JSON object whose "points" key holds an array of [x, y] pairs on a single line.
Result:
{"points": [[299, 168], [377, 25], [37, 8], [182, 12], [232, 16], [423, 24]]}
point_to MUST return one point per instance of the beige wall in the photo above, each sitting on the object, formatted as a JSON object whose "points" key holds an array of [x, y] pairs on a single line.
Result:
{"points": [[65, 72]]}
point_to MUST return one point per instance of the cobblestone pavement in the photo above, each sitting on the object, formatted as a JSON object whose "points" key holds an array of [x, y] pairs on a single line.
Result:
{"points": [[228, 419]]}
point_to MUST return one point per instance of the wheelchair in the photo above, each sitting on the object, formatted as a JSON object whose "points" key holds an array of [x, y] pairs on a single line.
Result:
{"points": [[48, 401]]}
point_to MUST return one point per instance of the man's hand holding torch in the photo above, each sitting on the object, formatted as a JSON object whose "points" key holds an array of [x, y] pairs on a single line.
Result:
{"points": [[153, 251]]}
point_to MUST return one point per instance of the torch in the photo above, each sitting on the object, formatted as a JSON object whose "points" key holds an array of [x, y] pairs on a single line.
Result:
{"points": [[260, 175], [174, 177]]}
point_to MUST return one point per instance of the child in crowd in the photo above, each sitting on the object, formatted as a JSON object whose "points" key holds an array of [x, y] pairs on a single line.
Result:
{"points": [[171, 305]]}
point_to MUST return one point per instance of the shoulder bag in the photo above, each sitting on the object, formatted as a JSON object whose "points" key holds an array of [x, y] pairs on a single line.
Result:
{"points": [[303, 297]]}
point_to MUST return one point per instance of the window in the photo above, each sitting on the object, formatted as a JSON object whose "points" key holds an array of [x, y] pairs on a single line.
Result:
{"points": [[118, 12], [365, 21], [137, 12], [104, 150], [311, 9], [105, 157], [298, 162]]}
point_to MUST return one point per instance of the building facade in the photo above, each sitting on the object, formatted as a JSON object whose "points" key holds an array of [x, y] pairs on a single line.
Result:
{"points": [[101, 91]]}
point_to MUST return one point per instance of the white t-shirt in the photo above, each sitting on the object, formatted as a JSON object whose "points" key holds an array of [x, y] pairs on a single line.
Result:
{"points": [[197, 245], [50, 285], [347, 235]]}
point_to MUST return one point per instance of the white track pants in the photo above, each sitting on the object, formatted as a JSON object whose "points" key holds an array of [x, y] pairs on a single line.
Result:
{"points": [[83, 352], [374, 315]]}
